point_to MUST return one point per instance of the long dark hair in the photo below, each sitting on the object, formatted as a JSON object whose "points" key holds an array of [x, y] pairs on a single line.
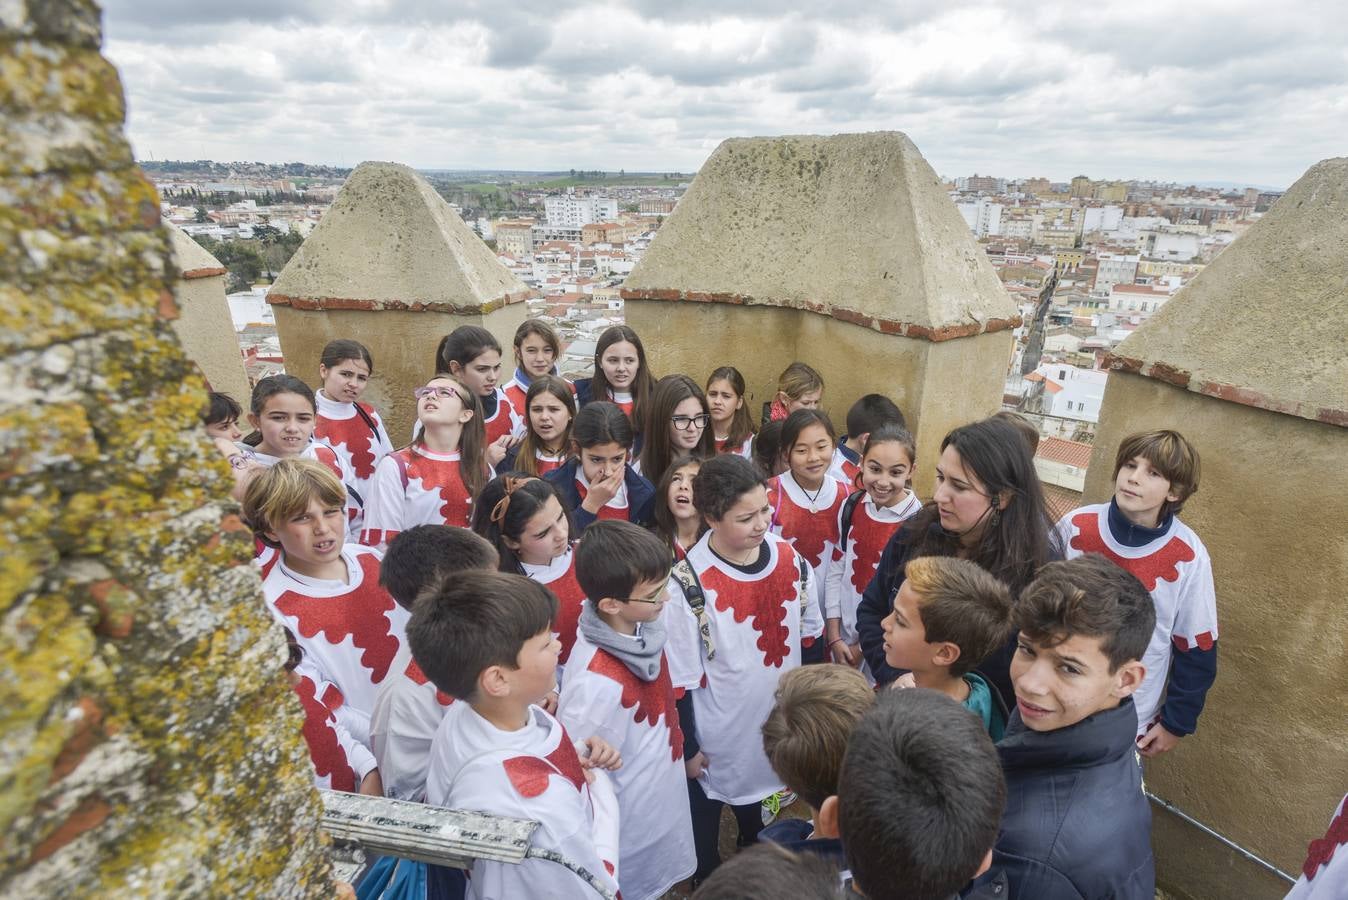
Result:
{"points": [[656, 449], [665, 525], [269, 387], [741, 423], [525, 460], [1020, 539], [506, 505], [601, 422], [642, 383], [797, 422]]}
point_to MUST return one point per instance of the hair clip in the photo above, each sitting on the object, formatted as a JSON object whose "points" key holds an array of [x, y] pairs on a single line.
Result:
{"points": [[498, 512]]}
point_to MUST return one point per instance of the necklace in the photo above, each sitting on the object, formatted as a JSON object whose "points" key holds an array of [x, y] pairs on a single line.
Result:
{"points": [[813, 498]]}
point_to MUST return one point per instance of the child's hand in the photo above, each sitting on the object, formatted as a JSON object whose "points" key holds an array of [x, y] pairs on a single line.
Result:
{"points": [[603, 755], [496, 450], [1156, 741], [695, 765], [906, 680], [604, 490], [549, 703]]}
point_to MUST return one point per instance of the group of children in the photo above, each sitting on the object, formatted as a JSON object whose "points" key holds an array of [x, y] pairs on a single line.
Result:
{"points": [[618, 607]]}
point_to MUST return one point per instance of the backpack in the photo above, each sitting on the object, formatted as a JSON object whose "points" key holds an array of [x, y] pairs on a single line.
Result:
{"points": [[849, 507]]}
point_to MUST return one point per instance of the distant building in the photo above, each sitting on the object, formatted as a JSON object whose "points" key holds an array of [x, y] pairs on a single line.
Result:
{"points": [[1173, 246], [983, 216], [1114, 268], [515, 237], [656, 206], [571, 211], [1082, 187], [1101, 218], [1114, 191], [1140, 299], [1036, 186], [1067, 393]]}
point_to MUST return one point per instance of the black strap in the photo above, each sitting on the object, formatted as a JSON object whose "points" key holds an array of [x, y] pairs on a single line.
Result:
{"points": [[369, 420], [848, 509]]}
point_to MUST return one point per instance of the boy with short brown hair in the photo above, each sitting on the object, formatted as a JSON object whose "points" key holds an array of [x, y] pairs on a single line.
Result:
{"points": [[1155, 473], [949, 615]]}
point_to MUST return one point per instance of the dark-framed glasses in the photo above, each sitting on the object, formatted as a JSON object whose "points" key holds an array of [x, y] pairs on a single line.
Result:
{"points": [[688, 423]]}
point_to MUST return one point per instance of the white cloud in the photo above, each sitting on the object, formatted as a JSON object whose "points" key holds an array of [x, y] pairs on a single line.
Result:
{"points": [[1199, 90]]}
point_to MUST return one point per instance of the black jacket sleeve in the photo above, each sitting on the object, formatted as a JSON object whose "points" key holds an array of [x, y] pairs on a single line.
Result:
{"points": [[688, 725], [1192, 672]]}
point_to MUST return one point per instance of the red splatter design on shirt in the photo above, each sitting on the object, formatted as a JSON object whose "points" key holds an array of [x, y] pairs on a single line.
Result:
{"points": [[764, 602], [327, 457], [605, 511], [354, 435], [1322, 850], [651, 700], [413, 671], [1163, 564], [850, 470], [809, 532], [1203, 641], [499, 424], [359, 615], [325, 750], [545, 464], [868, 537], [516, 395], [441, 475], [570, 598], [530, 774]]}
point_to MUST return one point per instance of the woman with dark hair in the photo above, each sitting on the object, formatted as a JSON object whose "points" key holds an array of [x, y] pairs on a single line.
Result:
{"points": [[621, 374], [988, 508]]}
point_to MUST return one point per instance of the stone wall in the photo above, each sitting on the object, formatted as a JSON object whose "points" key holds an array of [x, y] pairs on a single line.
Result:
{"points": [[204, 325], [149, 745]]}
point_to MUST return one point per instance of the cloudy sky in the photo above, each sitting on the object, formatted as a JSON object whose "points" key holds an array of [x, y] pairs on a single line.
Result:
{"points": [[1214, 90]]}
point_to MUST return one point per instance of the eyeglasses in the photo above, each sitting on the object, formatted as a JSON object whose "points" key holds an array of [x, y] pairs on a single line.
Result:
{"points": [[443, 393], [688, 423], [657, 598]]}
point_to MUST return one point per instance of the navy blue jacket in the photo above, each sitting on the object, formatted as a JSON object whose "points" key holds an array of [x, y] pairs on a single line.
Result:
{"points": [[1077, 825], [584, 391], [640, 495]]}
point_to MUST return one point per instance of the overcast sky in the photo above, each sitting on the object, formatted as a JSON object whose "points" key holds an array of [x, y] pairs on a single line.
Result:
{"points": [[1209, 90]]}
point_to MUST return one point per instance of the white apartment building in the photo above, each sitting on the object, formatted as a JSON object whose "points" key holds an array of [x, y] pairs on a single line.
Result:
{"points": [[569, 211], [983, 216], [1068, 392], [1115, 268], [1171, 246], [1102, 218]]}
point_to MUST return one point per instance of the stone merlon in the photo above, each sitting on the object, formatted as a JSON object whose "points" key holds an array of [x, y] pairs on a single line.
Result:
{"points": [[853, 226], [1249, 328], [389, 241]]}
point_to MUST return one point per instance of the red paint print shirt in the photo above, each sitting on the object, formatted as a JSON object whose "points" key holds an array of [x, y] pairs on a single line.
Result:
{"points": [[340, 761], [559, 576], [350, 630], [853, 564], [602, 696], [415, 486], [342, 428], [534, 773], [1176, 569], [407, 711], [754, 618]]}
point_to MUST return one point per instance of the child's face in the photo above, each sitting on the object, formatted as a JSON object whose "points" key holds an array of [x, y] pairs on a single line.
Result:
{"points": [[286, 424], [1061, 685], [885, 471], [636, 609], [346, 381], [745, 524], [688, 413], [811, 454], [227, 429], [312, 539], [602, 460], [535, 356], [1142, 491], [722, 401], [906, 644], [443, 404], [549, 417], [535, 673], [961, 499], [680, 497], [620, 363], [481, 373], [807, 400], [544, 537]]}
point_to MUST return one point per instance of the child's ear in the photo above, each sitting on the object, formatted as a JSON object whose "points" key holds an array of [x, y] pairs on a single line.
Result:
{"points": [[322, 372], [455, 368], [255, 421], [609, 606], [861, 438], [492, 682], [270, 536], [826, 818], [946, 654], [1128, 678], [1004, 500], [465, 415], [985, 864]]}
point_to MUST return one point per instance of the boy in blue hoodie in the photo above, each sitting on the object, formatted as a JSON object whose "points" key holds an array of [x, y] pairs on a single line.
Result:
{"points": [[1077, 823]]}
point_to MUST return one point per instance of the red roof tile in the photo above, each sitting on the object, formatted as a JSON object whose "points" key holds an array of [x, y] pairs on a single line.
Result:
{"points": [[1071, 453]]}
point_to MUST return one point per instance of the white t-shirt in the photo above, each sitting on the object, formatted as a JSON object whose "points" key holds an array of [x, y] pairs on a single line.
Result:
{"points": [[755, 624], [532, 773], [407, 711], [601, 696], [340, 761], [854, 564], [415, 486]]}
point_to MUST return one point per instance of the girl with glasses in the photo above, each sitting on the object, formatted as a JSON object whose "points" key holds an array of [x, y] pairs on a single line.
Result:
{"points": [[678, 423], [473, 355], [433, 480]]}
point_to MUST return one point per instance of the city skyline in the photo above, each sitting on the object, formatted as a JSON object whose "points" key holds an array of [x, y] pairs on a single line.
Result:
{"points": [[1206, 92]]}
